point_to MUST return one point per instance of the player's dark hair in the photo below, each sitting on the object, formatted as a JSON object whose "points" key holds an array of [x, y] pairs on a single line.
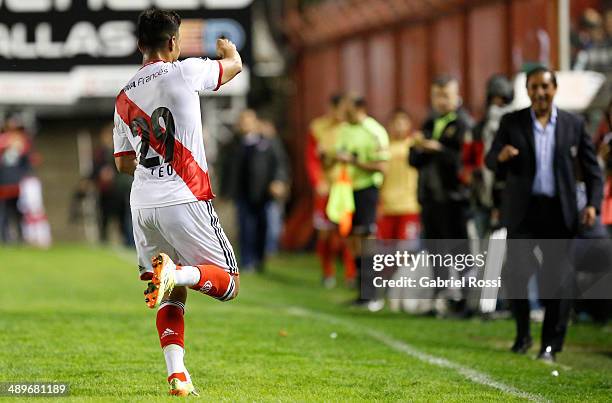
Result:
{"points": [[359, 102], [539, 70], [443, 80], [335, 99], [156, 27], [399, 111]]}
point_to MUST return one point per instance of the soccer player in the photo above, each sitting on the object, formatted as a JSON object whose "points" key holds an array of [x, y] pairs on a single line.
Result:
{"points": [[158, 139]]}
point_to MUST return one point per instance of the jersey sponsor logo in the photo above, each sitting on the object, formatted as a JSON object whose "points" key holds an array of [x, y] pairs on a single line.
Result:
{"points": [[145, 79]]}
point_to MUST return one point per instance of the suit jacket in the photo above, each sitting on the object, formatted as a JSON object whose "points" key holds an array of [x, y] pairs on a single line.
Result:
{"points": [[439, 173], [247, 171], [574, 159]]}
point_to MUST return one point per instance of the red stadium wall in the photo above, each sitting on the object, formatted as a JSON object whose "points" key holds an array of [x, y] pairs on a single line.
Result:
{"points": [[392, 62]]}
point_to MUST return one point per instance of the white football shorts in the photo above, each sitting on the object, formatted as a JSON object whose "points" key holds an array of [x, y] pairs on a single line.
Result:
{"points": [[190, 233]]}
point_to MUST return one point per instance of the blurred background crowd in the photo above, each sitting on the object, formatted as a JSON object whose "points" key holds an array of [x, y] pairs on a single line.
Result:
{"points": [[317, 72]]}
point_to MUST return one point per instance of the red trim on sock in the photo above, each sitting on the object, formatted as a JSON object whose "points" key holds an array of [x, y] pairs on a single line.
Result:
{"points": [[179, 375], [214, 281], [170, 326]]}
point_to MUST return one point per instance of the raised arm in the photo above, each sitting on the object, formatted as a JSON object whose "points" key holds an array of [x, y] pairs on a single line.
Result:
{"points": [[230, 61]]}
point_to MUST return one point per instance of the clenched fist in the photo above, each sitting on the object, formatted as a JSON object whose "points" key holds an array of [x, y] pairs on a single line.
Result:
{"points": [[225, 47], [507, 153]]}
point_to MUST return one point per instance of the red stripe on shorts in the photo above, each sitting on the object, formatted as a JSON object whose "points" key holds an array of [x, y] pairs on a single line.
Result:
{"points": [[183, 163], [124, 153]]}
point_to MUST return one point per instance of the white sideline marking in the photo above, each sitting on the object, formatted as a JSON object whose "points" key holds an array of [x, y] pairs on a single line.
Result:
{"points": [[469, 373]]}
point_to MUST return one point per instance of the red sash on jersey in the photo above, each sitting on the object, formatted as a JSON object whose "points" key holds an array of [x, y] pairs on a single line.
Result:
{"points": [[183, 163]]}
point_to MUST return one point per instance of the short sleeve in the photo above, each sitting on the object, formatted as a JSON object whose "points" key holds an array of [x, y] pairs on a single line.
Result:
{"points": [[380, 151], [202, 74], [122, 145]]}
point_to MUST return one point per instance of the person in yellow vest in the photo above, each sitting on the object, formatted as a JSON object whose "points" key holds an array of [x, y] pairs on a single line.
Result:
{"points": [[399, 206], [320, 154], [363, 153]]}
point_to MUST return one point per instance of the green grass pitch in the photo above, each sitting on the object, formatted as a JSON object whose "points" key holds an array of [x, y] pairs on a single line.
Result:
{"points": [[76, 314]]}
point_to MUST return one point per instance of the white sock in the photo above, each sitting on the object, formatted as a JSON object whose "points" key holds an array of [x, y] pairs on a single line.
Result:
{"points": [[187, 276], [173, 353]]}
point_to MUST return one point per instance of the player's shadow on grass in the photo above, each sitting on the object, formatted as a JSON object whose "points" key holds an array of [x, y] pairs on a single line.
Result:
{"points": [[288, 280]]}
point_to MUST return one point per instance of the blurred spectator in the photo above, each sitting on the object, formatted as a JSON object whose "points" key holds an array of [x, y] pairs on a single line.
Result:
{"points": [[256, 175], [593, 42], [363, 149], [15, 165], [320, 153], [438, 156], [608, 24], [113, 189], [275, 209], [36, 230], [606, 156], [399, 208], [484, 186], [398, 195]]}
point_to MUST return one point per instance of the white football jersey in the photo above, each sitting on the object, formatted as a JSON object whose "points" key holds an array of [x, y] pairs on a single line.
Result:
{"points": [[158, 118]]}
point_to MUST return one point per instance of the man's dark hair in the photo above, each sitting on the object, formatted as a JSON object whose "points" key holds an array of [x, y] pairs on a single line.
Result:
{"points": [[335, 99], [443, 81], [156, 27], [539, 70]]}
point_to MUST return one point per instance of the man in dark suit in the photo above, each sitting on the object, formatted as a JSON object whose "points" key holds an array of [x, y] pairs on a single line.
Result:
{"points": [[255, 173], [538, 151]]}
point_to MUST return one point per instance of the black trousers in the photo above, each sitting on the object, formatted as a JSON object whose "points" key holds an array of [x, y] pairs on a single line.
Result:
{"points": [[253, 228], [445, 220], [543, 230], [442, 222], [10, 216]]}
